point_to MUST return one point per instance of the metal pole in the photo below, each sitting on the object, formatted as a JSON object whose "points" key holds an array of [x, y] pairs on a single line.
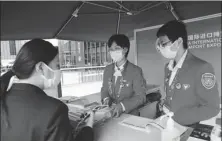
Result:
{"points": [[69, 19], [91, 53], [100, 5], [143, 7], [118, 21], [95, 53], [171, 8], [100, 54], [152, 6], [121, 5]]}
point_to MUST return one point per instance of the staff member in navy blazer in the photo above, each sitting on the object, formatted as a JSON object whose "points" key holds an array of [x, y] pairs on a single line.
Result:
{"points": [[123, 82], [27, 113], [190, 82]]}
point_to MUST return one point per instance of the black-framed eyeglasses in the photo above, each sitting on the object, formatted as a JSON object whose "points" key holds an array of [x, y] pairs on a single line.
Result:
{"points": [[116, 48], [165, 44]]}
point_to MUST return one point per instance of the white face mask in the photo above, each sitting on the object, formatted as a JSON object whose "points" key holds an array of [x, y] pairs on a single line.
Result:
{"points": [[117, 55], [54, 80], [169, 51]]}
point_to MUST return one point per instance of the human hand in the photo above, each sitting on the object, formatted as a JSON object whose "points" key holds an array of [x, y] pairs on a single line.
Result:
{"points": [[107, 102], [90, 120], [117, 110], [160, 104]]}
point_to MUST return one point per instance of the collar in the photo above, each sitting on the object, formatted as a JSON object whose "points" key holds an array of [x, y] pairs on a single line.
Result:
{"points": [[120, 67], [27, 87], [179, 64]]}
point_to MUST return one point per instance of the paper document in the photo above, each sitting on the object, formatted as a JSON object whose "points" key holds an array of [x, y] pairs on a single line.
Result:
{"points": [[137, 123], [68, 99], [149, 125]]}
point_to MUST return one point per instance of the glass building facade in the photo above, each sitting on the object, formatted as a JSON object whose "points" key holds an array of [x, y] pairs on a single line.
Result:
{"points": [[72, 53], [83, 54]]}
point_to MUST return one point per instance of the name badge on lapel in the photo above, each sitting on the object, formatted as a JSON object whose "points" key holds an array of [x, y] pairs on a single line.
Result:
{"points": [[186, 86], [123, 83], [178, 86]]}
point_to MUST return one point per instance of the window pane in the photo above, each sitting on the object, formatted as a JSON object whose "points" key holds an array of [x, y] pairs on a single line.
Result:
{"points": [[12, 47], [78, 80]]}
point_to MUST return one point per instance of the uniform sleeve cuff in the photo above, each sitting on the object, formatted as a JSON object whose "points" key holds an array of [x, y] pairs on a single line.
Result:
{"points": [[105, 99], [124, 109]]}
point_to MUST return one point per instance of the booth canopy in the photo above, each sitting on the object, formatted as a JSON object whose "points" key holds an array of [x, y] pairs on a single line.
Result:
{"points": [[91, 21]]}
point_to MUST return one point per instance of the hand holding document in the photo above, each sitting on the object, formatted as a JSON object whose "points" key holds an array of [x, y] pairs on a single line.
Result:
{"points": [[90, 120], [102, 112]]}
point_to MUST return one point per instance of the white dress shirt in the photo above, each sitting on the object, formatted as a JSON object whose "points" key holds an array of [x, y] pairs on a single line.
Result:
{"points": [[118, 71], [178, 66]]}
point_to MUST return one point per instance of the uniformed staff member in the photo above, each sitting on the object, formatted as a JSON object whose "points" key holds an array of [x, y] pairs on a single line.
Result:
{"points": [[190, 82], [123, 82], [27, 113]]}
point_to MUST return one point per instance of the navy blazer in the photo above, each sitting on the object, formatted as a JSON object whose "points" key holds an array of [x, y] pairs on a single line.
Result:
{"points": [[130, 88], [34, 116], [193, 95]]}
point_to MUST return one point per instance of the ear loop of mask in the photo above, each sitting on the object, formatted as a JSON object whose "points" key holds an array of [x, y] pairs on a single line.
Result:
{"points": [[38, 69], [48, 67], [56, 75], [51, 70], [45, 79]]}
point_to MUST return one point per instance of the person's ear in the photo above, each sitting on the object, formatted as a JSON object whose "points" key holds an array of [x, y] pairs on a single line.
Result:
{"points": [[157, 45], [180, 41], [39, 67], [125, 49]]}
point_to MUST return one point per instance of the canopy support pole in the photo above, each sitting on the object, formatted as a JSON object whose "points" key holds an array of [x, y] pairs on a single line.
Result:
{"points": [[171, 8], [118, 23], [74, 14], [121, 6], [100, 5], [146, 8]]}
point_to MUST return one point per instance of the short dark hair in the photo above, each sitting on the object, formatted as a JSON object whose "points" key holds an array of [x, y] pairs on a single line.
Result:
{"points": [[121, 40], [174, 30], [31, 53]]}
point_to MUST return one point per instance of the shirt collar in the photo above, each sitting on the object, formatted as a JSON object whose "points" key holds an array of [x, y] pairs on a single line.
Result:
{"points": [[120, 67], [180, 62]]}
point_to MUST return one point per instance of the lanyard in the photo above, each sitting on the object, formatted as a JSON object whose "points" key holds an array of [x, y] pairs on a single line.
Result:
{"points": [[122, 81]]}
